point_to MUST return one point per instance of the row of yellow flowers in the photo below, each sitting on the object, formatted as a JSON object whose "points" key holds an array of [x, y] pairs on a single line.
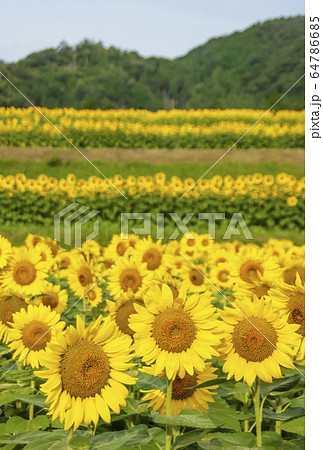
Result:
{"points": [[256, 185], [133, 115]]}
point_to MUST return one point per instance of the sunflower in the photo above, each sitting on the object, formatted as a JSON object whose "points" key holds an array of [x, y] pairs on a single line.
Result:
{"points": [[26, 272], [128, 279], [150, 252], [118, 247], [45, 253], [291, 300], [194, 276], [80, 274], [256, 340], [120, 311], [53, 296], [9, 304], [93, 295], [178, 339], [5, 251], [85, 373], [33, 239], [260, 287], [252, 262], [31, 331], [186, 394], [220, 276]]}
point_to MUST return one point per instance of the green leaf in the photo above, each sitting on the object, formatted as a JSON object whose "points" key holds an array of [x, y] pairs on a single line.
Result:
{"points": [[295, 426], [280, 385], [193, 420], [117, 439], [38, 423], [16, 425], [146, 382], [37, 400], [79, 443], [290, 413], [186, 439], [240, 439], [271, 440]]}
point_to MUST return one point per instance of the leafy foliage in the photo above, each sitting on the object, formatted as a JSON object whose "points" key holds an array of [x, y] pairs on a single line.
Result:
{"points": [[248, 69]]}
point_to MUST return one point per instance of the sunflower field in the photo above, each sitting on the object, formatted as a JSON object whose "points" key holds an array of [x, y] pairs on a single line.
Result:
{"points": [[148, 345], [23, 127], [264, 200]]}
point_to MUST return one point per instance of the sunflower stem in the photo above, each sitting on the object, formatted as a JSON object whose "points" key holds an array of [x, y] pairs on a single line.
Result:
{"points": [[278, 410], [70, 433], [31, 406], [246, 402], [258, 412], [169, 428], [84, 310]]}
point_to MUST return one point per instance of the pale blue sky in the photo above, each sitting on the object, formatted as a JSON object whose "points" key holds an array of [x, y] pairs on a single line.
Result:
{"points": [[166, 28]]}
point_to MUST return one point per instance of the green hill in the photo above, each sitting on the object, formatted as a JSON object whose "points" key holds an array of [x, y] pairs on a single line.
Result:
{"points": [[248, 69]]}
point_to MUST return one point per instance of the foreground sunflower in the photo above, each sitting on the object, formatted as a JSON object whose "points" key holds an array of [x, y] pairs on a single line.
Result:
{"points": [[186, 394], [178, 336], [5, 251], [9, 304], [30, 333], [256, 341], [291, 300], [25, 272], [85, 373]]}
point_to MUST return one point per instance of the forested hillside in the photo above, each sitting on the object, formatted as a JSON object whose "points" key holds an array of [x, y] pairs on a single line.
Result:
{"points": [[248, 69]]}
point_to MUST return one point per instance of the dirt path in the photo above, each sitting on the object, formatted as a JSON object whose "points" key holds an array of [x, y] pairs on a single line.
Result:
{"points": [[294, 156]]}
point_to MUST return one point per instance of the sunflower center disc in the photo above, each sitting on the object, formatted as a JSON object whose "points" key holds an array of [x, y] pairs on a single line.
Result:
{"points": [[24, 273], [130, 278], [174, 330], [248, 271], [50, 300], [122, 317], [296, 306], [153, 258], [85, 276], [8, 306], [223, 275], [181, 386], [84, 369], [251, 344], [35, 335], [196, 277], [121, 248], [261, 290]]}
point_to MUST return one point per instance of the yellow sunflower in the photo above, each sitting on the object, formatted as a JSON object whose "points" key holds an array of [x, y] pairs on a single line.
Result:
{"points": [[220, 276], [80, 274], [185, 392], [120, 311], [9, 304], [252, 261], [128, 279], [85, 373], [194, 276], [291, 300], [256, 340], [117, 247], [93, 295], [25, 272], [31, 331], [178, 339], [150, 252], [53, 296], [5, 251]]}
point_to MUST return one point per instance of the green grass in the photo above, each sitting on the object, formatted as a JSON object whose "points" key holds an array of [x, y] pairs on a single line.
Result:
{"points": [[16, 234], [82, 169]]}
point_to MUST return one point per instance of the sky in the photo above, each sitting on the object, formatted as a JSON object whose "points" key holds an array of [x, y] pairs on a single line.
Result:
{"points": [[166, 28]]}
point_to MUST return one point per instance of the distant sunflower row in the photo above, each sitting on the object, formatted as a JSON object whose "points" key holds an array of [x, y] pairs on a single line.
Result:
{"points": [[162, 129], [254, 186], [185, 310]]}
